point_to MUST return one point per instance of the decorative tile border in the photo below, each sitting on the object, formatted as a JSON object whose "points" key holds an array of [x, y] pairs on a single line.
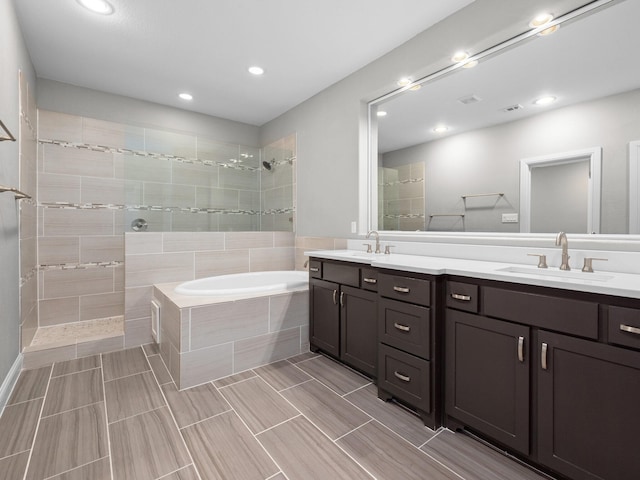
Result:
{"points": [[402, 182], [81, 266]]}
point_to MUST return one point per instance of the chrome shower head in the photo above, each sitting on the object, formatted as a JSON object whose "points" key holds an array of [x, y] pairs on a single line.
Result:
{"points": [[268, 165]]}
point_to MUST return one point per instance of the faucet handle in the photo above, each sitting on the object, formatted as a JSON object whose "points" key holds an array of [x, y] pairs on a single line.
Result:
{"points": [[368, 245], [588, 267], [542, 259], [387, 249]]}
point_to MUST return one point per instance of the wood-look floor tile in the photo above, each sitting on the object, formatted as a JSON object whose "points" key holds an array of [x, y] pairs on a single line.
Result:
{"points": [[302, 451], [151, 349], [194, 404], [222, 447], [328, 411], [231, 379], [76, 365], [282, 374], [188, 473], [385, 455], [474, 461], [279, 476], [98, 470], [147, 446], [68, 440], [302, 357], [391, 415], [31, 384], [18, 426], [335, 376], [13, 467], [160, 369], [73, 391], [124, 363], [258, 404], [132, 395]]}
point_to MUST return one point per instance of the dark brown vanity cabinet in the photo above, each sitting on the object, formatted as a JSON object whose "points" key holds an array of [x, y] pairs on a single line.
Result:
{"points": [[343, 316], [408, 348], [539, 371]]}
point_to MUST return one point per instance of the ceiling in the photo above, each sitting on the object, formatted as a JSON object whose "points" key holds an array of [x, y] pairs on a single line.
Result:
{"points": [[154, 49]]}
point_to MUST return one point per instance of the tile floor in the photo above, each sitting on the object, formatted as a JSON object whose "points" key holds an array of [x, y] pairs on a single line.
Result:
{"points": [[119, 416]]}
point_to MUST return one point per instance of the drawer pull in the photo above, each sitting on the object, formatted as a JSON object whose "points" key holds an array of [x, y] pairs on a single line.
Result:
{"points": [[521, 349], [464, 298], [335, 300], [314, 269], [629, 329], [401, 289], [404, 378], [399, 326], [543, 356], [372, 281]]}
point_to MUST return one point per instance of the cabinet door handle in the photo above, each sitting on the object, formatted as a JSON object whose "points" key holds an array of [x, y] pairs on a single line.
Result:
{"points": [[335, 297], [464, 298], [342, 299], [543, 356], [629, 329], [314, 269], [404, 378], [521, 349], [401, 289], [399, 326], [372, 281]]}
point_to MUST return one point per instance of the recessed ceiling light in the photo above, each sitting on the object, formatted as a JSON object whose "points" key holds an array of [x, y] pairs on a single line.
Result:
{"points": [[470, 64], [186, 96], [549, 31], [540, 20], [441, 129], [404, 81], [543, 101], [415, 87], [460, 56], [255, 70], [97, 6], [381, 113]]}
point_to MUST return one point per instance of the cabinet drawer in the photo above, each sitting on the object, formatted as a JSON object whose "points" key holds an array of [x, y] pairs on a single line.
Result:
{"points": [[554, 313], [405, 376], [315, 269], [407, 289], [341, 273], [624, 326], [369, 277], [462, 296], [405, 326]]}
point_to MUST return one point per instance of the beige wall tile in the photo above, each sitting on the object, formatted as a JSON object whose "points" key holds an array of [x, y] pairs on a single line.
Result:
{"points": [[137, 302], [102, 249], [142, 242], [265, 259], [287, 311], [193, 222], [167, 195], [58, 250], [53, 187], [141, 270], [174, 325], [195, 174], [230, 321], [216, 151], [65, 283], [210, 264], [265, 349], [239, 179], [206, 364], [192, 241], [77, 161], [242, 240], [315, 243], [101, 306], [104, 345], [118, 278], [170, 143], [221, 198], [109, 134], [28, 254], [340, 244], [28, 220], [148, 169], [137, 332], [59, 310], [283, 239], [65, 222], [107, 191], [40, 358], [59, 126]]}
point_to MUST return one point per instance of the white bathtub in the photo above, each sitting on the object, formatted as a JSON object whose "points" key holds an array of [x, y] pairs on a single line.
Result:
{"points": [[245, 283]]}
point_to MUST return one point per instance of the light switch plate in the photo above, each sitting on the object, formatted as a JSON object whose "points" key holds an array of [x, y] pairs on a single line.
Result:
{"points": [[509, 218]]}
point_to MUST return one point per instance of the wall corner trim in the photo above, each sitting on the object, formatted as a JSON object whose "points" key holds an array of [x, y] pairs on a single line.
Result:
{"points": [[10, 382]]}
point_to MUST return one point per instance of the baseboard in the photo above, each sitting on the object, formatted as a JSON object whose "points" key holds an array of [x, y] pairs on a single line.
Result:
{"points": [[9, 382]]}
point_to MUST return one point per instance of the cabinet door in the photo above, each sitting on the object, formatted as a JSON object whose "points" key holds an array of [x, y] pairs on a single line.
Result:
{"points": [[487, 377], [589, 408], [359, 342], [324, 316]]}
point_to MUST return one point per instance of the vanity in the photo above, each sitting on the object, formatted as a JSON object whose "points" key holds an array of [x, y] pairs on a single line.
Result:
{"points": [[542, 366]]}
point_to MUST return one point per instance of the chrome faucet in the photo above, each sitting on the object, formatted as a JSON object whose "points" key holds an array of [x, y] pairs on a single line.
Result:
{"points": [[561, 241], [377, 237]]}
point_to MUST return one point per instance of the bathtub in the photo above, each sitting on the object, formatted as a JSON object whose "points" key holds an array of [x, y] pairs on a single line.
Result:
{"points": [[245, 283]]}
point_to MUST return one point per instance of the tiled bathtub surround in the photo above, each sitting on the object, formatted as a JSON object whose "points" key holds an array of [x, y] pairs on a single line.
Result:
{"points": [[206, 338], [304, 244]]}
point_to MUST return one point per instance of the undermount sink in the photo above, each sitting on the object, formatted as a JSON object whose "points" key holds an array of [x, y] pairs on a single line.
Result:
{"points": [[554, 273]]}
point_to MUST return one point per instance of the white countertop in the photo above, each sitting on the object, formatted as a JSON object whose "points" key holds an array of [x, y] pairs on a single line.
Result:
{"points": [[607, 283]]}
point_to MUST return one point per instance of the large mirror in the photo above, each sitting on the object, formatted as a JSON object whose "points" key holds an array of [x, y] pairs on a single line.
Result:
{"points": [[471, 151]]}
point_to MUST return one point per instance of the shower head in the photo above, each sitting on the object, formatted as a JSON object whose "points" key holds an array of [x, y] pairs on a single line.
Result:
{"points": [[269, 165]]}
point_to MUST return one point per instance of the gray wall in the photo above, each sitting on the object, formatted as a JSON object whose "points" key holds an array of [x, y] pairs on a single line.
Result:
{"points": [[14, 56]]}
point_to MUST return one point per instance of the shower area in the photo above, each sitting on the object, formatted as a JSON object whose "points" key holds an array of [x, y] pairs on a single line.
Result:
{"points": [[110, 196]]}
